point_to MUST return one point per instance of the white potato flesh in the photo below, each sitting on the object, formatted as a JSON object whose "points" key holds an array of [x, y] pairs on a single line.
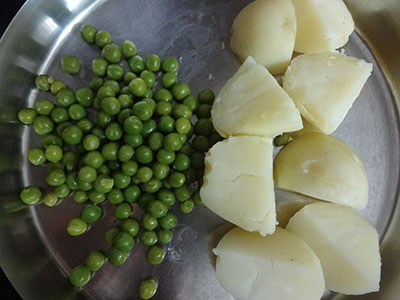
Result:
{"points": [[287, 208], [307, 127], [322, 25], [323, 167], [253, 103], [324, 86], [238, 184], [266, 30], [279, 266], [345, 242]]}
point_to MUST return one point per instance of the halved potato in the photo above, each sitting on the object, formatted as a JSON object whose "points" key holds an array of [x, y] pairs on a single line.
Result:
{"points": [[323, 167], [345, 242], [322, 25], [238, 183], [324, 86], [288, 207], [253, 103], [266, 30], [279, 266]]}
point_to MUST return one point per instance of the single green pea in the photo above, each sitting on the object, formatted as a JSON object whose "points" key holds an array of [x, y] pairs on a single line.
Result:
{"points": [[148, 77], [181, 162], [128, 49], [57, 86], [105, 91], [169, 79], [87, 174], [103, 183], [132, 193], [88, 33], [30, 195], [91, 142], [149, 127], [151, 102], [160, 171], [93, 159], [153, 63], [203, 127], [112, 53], [42, 83], [70, 160], [50, 199], [123, 211], [182, 111], [114, 131], [124, 114], [144, 155], [177, 179], [166, 196], [72, 135], [51, 139], [196, 198], [138, 87], [96, 197], [186, 148], [71, 181], [148, 288], [155, 255], [55, 177], [165, 156], [129, 168], [180, 90], [36, 156], [121, 180], [145, 199], [163, 95], [203, 111], [166, 124], [148, 238], [99, 66], [169, 221], [123, 241], [115, 72], [131, 226], [142, 110], [164, 236], [110, 151], [44, 107], [116, 257], [95, 84], [163, 108], [62, 191], [27, 115], [43, 125], [91, 213], [84, 186], [65, 97], [85, 125], [103, 119], [125, 153], [111, 233], [125, 101], [136, 64], [206, 96], [183, 126], [182, 193], [110, 105], [169, 64], [144, 174], [95, 260], [102, 38], [80, 275], [133, 125], [172, 142], [53, 153], [281, 140], [134, 140], [157, 209], [197, 159], [191, 102], [76, 226], [201, 143], [59, 115], [80, 196], [113, 84], [155, 141], [76, 112], [70, 64], [187, 206], [152, 186]]}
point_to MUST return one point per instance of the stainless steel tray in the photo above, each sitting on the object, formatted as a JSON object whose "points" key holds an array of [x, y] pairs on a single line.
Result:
{"points": [[35, 251]]}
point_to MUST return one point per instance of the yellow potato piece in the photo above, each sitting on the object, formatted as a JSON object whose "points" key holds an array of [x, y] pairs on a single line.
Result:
{"points": [[276, 267], [346, 244], [323, 167]]}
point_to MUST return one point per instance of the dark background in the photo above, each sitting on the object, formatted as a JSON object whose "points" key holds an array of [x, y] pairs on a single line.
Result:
{"points": [[8, 9]]}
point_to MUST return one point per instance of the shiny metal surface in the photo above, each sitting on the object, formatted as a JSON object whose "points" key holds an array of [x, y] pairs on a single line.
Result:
{"points": [[35, 251]]}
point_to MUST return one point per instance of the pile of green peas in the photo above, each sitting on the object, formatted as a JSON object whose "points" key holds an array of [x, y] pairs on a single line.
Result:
{"points": [[142, 150]]}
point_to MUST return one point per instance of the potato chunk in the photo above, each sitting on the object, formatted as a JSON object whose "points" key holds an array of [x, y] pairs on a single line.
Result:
{"points": [[279, 266], [238, 184], [323, 167], [322, 25], [266, 30], [253, 103], [345, 242], [324, 86]]}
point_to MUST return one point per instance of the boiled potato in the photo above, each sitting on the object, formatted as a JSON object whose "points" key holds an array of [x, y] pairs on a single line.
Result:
{"points": [[238, 183], [323, 167], [279, 266], [345, 242], [324, 86], [289, 205], [253, 103], [307, 127], [322, 25], [266, 30]]}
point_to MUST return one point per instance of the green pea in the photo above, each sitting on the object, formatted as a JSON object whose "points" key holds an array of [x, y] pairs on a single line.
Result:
{"points": [[111, 53], [84, 186], [181, 162], [163, 108], [281, 140], [85, 125], [206, 96], [76, 226], [80, 275], [182, 111], [44, 107], [155, 255], [134, 140], [169, 79], [42, 83], [110, 233], [187, 206], [71, 181], [204, 111], [87, 174], [116, 257], [196, 198], [51, 139], [93, 159], [133, 125], [115, 72], [153, 63], [43, 125], [148, 238], [145, 199], [114, 165], [163, 95], [91, 142], [121, 180], [50, 199], [132, 193], [57, 86], [182, 193], [70, 64], [129, 167], [62, 191], [183, 126], [88, 33], [197, 159], [172, 142], [149, 127], [104, 170], [131, 226], [165, 156], [27, 115], [80, 196], [166, 124], [144, 154], [70, 160], [53, 153], [125, 101], [137, 87], [148, 77], [164, 236], [55, 177], [160, 172], [110, 105], [191, 102], [96, 197], [136, 64], [203, 127], [65, 97], [123, 241], [186, 148], [142, 110], [72, 135], [148, 288], [76, 112], [169, 64], [128, 49], [102, 38], [166, 196], [180, 90], [157, 209], [144, 174], [95, 84], [123, 115], [103, 183], [99, 66], [123, 211], [105, 91], [169, 221], [148, 221], [114, 131], [153, 185], [201, 143], [36, 156], [59, 115], [177, 179], [30, 195], [95, 260]]}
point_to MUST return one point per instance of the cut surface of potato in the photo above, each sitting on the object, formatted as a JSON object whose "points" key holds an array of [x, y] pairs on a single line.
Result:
{"points": [[266, 30], [253, 103], [286, 209], [238, 184], [323, 167], [345, 242], [322, 25], [279, 266], [324, 86]]}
